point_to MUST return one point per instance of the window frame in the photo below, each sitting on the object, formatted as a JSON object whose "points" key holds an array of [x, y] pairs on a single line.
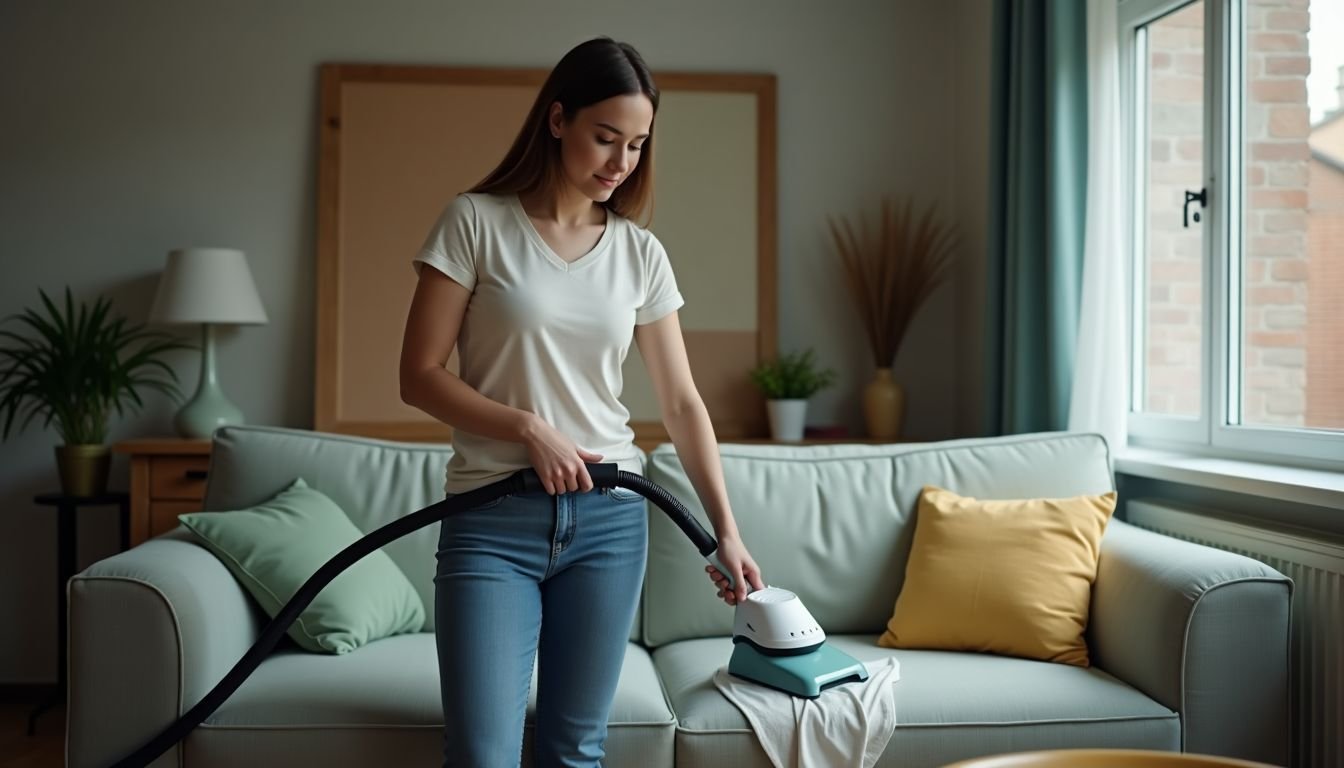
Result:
{"points": [[1215, 431]]}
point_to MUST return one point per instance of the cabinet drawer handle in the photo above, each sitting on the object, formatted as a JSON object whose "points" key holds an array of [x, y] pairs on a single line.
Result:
{"points": [[196, 474]]}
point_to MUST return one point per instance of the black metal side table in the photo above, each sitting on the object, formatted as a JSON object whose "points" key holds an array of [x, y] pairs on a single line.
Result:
{"points": [[66, 526]]}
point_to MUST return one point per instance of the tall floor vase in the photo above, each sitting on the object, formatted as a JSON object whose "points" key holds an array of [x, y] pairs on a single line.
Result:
{"points": [[883, 406]]}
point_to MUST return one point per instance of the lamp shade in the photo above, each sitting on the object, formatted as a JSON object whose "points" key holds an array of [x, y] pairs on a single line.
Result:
{"points": [[207, 285]]}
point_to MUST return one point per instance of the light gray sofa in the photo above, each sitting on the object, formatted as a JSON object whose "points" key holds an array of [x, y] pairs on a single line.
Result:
{"points": [[1189, 643]]}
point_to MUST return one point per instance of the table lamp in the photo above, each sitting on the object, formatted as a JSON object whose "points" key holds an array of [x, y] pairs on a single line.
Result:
{"points": [[209, 286]]}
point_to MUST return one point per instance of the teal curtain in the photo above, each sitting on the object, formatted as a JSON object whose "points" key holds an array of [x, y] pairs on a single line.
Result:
{"points": [[1038, 184]]}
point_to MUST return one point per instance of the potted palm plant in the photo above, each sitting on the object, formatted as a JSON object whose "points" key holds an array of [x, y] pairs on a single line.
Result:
{"points": [[74, 368], [787, 383], [890, 275]]}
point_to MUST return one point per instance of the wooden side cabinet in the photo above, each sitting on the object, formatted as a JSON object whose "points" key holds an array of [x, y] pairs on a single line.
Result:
{"points": [[167, 480]]}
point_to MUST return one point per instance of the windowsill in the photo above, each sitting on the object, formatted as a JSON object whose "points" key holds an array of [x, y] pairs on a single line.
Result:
{"points": [[1273, 481]]}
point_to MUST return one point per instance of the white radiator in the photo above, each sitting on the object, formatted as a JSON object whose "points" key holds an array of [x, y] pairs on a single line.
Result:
{"points": [[1317, 571]]}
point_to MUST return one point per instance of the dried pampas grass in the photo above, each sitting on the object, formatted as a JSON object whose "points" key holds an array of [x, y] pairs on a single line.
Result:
{"points": [[893, 274]]}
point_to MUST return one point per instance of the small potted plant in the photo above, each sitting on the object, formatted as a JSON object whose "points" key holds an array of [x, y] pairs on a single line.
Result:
{"points": [[75, 367], [787, 383]]}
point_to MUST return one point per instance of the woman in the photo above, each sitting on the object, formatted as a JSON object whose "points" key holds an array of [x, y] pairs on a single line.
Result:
{"points": [[540, 280]]}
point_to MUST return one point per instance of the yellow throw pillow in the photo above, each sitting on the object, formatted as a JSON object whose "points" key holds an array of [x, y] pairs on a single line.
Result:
{"points": [[1012, 577]]}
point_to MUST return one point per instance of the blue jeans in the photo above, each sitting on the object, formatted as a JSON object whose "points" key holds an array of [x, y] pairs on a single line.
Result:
{"points": [[554, 579]]}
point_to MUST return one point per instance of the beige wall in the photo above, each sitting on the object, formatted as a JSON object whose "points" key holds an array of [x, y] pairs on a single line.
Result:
{"points": [[133, 128]]}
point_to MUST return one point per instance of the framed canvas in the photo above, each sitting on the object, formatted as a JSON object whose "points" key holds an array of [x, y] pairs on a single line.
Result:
{"points": [[397, 143]]}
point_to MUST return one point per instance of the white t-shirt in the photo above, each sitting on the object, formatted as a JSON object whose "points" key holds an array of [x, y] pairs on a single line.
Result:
{"points": [[543, 335]]}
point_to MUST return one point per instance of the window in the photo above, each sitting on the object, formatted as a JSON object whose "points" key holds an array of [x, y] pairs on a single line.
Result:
{"points": [[1235, 145]]}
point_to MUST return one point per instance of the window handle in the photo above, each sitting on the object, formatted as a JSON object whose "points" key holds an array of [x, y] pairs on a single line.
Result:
{"points": [[1202, 197]]}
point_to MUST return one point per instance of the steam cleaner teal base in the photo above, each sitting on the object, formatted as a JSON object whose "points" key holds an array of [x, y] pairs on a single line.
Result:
{"points": [[804, 674]]}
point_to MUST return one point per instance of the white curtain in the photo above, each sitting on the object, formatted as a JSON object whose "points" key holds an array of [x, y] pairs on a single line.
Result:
{"points": [[1099, 401]]}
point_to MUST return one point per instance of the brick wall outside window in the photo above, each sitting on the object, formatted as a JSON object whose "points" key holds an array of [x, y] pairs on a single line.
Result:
{"points": [[1292, 226], [1274, 246], [1174, 302], [1325, 291]]}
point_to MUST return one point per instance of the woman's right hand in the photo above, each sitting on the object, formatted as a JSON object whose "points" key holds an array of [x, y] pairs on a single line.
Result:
{"points": [[561, 465]]}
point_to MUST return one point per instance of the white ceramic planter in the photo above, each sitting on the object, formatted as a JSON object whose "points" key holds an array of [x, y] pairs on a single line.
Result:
{"points": [[786, 419]]}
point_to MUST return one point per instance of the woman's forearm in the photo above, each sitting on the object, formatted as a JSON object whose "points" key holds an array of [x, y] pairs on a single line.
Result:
{"points": [[452, 401], [693, 435]]}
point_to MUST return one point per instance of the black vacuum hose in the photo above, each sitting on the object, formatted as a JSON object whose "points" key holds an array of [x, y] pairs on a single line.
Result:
{"points": [[524, 481]]}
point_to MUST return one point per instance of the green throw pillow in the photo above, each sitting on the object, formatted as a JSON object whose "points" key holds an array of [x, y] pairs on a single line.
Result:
{"points": [[274, 547]]}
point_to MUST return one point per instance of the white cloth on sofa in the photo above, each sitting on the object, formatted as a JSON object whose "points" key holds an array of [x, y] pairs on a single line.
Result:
{"points": [[848, 725]]}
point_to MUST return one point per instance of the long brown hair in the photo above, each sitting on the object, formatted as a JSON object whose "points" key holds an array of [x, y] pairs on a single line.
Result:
{"points": [[591, 72]]}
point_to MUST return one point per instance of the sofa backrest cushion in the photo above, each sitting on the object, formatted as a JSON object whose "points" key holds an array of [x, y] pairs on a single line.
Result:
{"points": [[373, 481], [834, 523]]}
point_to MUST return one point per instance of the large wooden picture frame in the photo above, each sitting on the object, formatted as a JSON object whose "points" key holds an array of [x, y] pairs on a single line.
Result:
{"points": [[398, 142]]}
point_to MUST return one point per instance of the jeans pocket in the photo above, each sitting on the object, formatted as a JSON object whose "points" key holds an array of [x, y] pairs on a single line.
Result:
{"points": [[623, 494]]}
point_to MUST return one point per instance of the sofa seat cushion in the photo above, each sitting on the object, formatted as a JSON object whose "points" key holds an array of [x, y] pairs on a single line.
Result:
{"points": [[950, 706], [380, 705]]}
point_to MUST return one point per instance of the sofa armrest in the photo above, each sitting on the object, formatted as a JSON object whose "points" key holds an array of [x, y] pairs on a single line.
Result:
{"points": [[1202, 631], [152, 630]]}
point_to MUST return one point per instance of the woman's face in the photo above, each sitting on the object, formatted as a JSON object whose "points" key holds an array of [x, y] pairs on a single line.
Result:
{"points": [[601, 146]]}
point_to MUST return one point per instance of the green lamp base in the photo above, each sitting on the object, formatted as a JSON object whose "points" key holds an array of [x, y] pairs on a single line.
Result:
{"points": [[208, 409], [206, 412]]}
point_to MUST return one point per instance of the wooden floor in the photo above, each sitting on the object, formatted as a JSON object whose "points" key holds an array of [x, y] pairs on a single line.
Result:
{"points": [[46, 747]]}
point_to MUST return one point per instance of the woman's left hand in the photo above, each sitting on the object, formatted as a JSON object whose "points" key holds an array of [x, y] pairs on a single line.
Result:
{"points": [[734, 556]]}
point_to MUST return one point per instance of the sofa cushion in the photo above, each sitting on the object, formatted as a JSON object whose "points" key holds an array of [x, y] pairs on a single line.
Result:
{"points": [[373, 481], [273, 548], [1001, 576], [950, 706], [381, 705], [834, 523]]}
